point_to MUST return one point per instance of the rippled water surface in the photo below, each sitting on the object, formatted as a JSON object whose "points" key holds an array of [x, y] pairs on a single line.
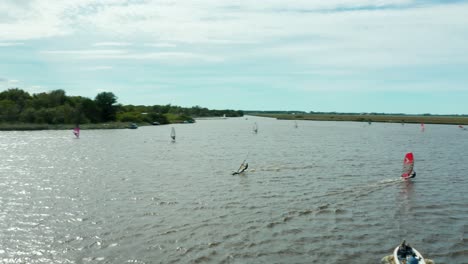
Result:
{"points": [[325, 192]]}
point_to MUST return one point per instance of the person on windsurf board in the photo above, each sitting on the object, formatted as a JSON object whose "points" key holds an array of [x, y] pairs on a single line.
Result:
{"points": [[243, 167], [408, 166], [76, 131]]}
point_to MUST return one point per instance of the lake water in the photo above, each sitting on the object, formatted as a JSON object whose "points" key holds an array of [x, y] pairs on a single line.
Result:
{"points": [[325, 192]]}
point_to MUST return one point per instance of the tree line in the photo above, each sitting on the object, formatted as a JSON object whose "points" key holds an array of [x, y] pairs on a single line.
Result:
{"points": [[55, 107]]}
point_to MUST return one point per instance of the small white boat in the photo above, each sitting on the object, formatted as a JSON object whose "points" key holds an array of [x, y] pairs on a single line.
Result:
{"points": [[398, 260]]}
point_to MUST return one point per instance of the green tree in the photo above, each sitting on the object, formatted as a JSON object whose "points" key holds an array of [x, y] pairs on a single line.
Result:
{"points": [[56, 98], [28, 115], [16, 95], [105, 102], [9, 111]]}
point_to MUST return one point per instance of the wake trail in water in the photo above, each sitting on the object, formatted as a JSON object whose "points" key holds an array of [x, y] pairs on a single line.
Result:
{"points": [[281, 168], [336, 200]]}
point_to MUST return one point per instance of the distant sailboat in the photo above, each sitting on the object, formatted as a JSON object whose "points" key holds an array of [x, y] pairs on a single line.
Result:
{"points": [[76, 132], [173, 134], [255, 128], [422, 127]]}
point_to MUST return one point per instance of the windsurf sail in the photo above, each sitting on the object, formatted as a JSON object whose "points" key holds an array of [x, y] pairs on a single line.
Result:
{"points": [[173, 134], [242, 168], [255, 128], [76, 132], [408, 165], [422, 127]]}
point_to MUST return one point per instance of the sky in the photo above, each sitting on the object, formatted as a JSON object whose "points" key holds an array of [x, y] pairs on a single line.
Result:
{"points": [[392, 56]]}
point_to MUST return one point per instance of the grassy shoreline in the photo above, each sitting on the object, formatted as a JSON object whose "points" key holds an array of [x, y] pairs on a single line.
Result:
{"points": [[444, 120], [31, 127]]}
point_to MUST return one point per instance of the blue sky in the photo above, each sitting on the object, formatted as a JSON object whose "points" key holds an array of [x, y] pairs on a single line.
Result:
{"points": [[399, 56]]}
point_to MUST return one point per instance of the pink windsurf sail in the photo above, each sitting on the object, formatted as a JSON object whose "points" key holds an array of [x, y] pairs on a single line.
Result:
{"points": [[422, 127], [76, 132], [408, 164]]}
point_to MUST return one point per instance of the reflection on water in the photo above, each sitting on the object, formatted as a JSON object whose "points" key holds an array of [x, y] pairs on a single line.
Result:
{"points": [[407, 190], [322, 191]]}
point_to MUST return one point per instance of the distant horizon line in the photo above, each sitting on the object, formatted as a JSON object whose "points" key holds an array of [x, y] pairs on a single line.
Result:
{"points": [[343, 113]]}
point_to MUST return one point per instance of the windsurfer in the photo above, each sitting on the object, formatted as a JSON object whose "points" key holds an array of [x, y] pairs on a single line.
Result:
{"points": [[76, 131], [408, 165], [243, 167]]}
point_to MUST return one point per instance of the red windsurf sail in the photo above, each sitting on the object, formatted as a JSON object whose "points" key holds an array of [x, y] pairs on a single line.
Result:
{"points": [[76, 132], [408, 164]]}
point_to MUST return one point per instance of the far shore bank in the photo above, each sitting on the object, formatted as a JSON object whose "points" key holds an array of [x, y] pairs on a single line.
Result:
{"points": [[31, 127], [403, 119]]}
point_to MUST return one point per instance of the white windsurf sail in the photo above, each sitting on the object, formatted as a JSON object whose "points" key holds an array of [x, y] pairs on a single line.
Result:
{"points": [[173, 135], [242, 168]]}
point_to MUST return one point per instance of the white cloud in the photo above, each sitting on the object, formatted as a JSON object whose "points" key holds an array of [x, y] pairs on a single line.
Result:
{"points": [[97, 68], [160, 45], [8, 81], [9, 44], [174, 57], [325, 72], [371, 33], [190, 21], [114, 44], [87, 53]]}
